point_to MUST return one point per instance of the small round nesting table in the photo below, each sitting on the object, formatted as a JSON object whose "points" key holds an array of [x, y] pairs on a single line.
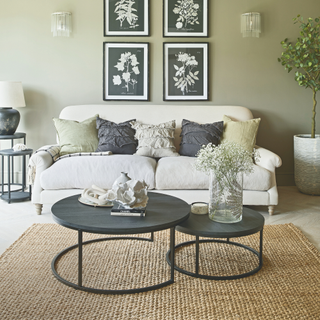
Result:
{"points": [[19, 194], [163, 212], [201, 226]]}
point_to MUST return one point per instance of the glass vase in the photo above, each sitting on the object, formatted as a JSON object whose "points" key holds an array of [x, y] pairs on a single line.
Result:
{"points": [[226, 197]]}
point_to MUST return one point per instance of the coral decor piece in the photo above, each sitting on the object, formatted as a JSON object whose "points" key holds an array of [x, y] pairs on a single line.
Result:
{"points": [[130, 195], [19, 147]]}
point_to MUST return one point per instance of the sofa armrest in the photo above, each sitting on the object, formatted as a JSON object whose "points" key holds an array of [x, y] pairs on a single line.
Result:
{"points": [[268, 159], [42, 159]]}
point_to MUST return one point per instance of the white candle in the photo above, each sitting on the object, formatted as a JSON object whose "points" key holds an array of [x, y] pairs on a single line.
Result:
{"points": [[199, 208]]}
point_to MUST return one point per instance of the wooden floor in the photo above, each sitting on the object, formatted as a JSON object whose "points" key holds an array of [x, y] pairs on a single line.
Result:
{"points": [[294, 207]]}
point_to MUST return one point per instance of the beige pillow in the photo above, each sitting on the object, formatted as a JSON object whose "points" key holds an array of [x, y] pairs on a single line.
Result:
{"points": [[77, 136], [242, 132], [155, 140]]}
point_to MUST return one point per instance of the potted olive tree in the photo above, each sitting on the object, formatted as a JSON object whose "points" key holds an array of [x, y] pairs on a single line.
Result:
{"points": [[304, 57]]}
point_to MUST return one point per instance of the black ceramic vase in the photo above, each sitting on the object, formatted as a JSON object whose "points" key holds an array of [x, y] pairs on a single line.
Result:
{"points": [[9, 121]]}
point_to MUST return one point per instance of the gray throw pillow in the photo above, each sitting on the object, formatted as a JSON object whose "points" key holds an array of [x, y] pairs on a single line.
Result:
{"points": [[116, 137], [195, 135]]}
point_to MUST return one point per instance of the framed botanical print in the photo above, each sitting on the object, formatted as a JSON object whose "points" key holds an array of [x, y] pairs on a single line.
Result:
{"points": [[126, 71], [185, 71], [126, 18], [185, 18]]}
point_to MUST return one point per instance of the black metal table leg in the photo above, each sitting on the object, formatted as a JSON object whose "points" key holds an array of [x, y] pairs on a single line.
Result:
{"points": [[80, 258], [260, 251], [197, 254], [9, 186], [172, 244]]}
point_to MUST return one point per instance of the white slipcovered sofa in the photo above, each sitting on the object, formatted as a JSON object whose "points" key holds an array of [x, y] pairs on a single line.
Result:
{"points": [[170, 175]]}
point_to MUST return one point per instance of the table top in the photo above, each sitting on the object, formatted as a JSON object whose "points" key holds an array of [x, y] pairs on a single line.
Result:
{"points": [[11, 152], [17, 135], [163, 212], [201, 225]]}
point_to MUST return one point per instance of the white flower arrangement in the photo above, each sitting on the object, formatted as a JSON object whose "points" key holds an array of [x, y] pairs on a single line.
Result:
{"points": [[226, 158], [225, 162]]}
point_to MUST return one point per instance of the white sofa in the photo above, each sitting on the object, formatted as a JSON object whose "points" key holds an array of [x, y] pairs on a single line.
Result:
{"points": [[172, 175]]}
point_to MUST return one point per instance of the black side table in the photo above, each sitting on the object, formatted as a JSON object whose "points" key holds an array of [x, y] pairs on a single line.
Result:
{"points": [[201, 226], [20, 194], [12, 137]]}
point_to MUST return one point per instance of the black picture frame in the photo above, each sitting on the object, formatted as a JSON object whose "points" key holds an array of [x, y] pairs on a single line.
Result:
{"points": [[126, 71], [186, 71], [185, 18], [123, 18]]}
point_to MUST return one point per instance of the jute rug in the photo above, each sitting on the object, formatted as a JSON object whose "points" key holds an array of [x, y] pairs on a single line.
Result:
{"points": [[287, 287]]}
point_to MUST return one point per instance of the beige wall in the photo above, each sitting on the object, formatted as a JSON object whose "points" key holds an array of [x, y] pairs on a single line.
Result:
{"points": [[57, 72]]}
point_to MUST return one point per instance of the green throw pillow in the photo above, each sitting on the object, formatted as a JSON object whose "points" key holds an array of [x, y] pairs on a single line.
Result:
{"points": [[77, 136], [242, 132]]}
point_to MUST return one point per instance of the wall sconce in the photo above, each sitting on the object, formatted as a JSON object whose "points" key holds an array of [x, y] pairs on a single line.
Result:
{"points": [[61, 24], [250, 24]]}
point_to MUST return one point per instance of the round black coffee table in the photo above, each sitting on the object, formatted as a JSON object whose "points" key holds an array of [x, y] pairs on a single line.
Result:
{"points": [[163, 212], [201, 226]]}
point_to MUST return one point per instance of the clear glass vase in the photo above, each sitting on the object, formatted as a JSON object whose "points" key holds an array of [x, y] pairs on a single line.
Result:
{"points": [[226, 197]]}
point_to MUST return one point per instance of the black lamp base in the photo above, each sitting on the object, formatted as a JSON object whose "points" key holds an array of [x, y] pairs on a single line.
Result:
{"points": [[9, 121]]}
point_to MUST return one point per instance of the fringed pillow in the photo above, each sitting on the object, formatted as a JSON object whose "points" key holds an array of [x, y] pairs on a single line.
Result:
{"points": [[155, 140]]}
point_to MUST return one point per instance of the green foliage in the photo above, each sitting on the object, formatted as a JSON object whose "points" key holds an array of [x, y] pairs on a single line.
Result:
{"points": [[304, 56]]}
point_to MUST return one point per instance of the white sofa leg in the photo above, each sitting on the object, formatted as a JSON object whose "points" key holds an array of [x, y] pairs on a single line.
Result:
{"points": [[271, 210], [38, 207]]}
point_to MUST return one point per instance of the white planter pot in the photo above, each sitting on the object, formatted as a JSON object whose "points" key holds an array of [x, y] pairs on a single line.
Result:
{"points": [[307, 163]]}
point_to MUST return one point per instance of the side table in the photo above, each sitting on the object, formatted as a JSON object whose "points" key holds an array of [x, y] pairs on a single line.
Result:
{"points": [[17, 195]]}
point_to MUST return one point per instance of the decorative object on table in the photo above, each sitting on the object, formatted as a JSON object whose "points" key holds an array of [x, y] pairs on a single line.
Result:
{"points": [[129, 195], [116, 137], [155, 140], [61, 24], [126, 18], [95, 196], [199, 208], [194, 135], [226, 164], [19, 147], [251, 24], [304, 56], [11, 96], [185, 18], [185, 70], [126, 71], [123, 178]]}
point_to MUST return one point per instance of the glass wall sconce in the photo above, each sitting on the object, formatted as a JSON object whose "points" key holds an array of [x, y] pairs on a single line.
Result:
{"points": [[61, 24], [251, 24]]}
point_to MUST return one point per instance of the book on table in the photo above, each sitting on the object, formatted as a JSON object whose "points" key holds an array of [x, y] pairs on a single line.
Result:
{"points": [[119, 210]]}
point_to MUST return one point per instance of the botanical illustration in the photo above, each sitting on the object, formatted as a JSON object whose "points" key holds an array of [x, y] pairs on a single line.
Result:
{"points": [[184, 77], [125, 11], [188, 13], [128, 64]]}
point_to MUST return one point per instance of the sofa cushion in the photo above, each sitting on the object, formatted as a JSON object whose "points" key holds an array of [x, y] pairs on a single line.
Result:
{"points": [[179, 173], [195, 135], [242, 132], [155, 140], [77, 136], [83, 172], [116, 137]]}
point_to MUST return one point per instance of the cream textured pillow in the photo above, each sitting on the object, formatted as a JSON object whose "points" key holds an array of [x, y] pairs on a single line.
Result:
{"points": [[242, 132], [77, 136], [155, 140]]}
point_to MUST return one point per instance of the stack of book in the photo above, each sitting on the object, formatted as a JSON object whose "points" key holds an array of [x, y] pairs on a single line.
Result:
{"points": [[119, 210]]}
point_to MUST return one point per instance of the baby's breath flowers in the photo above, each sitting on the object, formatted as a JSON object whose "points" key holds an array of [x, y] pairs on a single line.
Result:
{"points": [[226, 163]]}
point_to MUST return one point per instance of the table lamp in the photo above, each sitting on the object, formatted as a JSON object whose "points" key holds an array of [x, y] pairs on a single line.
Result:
{"points": [[11, 96]]}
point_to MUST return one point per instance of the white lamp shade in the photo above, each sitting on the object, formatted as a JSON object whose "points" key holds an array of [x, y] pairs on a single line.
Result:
{"points": [[11, 94]]}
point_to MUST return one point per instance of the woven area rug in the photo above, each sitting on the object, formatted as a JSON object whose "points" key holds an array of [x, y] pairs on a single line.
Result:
{"points": [[287, 286]]}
